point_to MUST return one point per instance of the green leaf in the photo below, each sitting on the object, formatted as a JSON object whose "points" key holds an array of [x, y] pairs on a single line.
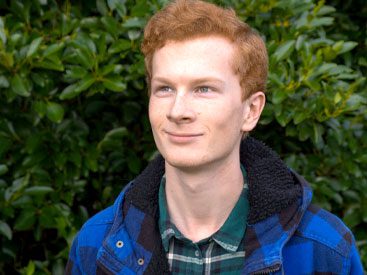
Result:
{"points": [[337, 198], [304, 131], [47, 217], [283, 119], [21, 10], [325, 68], [40, 107], [19, 86], [102, 7], [284, 50], [337, 98], [55, 64], [75, 72], [354, 102], [91, 23], [4, 83], [114, 68], [351, 216], [318, 131], [133, 34], [38, 190], [117, 133], [6, 230], [66, 24], [117, 5], [113, 138], [2, 31], [55, 112], [115, 84], [362, 159], [85, 43], [85, 83], [69, 92], [84, 58], [54, 48], [101, 45], [33, 143], [3, 169], [278, 96], [30, 269], [300, 42], [33, 48], [6, 59], [110, 24], [299, 117], [119, 46], [75, 89], [348, 46], [140, 9], [323, 21], [134, 22], [26, 219], [325, 10]]}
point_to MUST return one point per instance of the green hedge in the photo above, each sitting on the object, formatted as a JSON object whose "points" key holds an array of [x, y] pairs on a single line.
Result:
{"points": [[73, 112]]}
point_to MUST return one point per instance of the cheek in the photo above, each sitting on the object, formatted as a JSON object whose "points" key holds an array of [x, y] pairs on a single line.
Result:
{"points": [[229, 126], [230, 119], [152, 111], [156, 115]]}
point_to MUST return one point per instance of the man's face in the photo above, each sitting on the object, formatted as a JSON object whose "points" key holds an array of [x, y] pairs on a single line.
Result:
{"points": [[195, 106]]}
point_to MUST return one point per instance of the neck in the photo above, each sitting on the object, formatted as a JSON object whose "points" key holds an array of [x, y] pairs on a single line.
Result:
{"points": [[199, 202]]}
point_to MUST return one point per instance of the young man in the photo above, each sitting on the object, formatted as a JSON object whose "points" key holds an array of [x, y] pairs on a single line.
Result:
{"points": [[215, 201]]}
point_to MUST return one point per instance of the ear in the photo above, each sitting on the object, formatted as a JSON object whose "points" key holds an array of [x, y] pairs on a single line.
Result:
{"points": [[254, 105]]}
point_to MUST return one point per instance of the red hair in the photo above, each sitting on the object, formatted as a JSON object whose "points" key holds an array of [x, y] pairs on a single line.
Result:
{"points": [[188, 19]]}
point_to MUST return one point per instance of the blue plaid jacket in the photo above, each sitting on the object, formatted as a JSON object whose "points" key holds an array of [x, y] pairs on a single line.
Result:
{"points": [[285, 234]]}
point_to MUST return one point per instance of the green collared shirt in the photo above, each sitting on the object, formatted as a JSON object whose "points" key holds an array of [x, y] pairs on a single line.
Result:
{"points": [[221, 253]]}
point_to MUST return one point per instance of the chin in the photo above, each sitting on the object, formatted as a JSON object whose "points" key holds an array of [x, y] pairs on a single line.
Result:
{"points": [[189, 162]]}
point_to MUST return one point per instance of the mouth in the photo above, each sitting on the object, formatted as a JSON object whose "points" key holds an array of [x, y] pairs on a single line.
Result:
{"points": [[177, 137], [174, 134]]}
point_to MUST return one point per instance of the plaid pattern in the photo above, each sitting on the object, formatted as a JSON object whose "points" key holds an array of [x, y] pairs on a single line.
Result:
{"points": [[297, 238], [302, 239], [222, 253]]}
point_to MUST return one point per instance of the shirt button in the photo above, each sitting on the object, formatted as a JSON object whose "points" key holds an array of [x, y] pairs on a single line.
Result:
{"points": [[119, 244], [197, 253], [141, 261]]}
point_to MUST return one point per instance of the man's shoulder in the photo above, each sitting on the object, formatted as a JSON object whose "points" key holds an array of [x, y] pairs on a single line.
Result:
{"points": [[325, 228], [99, 222], [95, 228], [322, 243]]}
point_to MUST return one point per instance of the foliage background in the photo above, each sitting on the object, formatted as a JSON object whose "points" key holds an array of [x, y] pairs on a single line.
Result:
{"points": [[73, 104]]}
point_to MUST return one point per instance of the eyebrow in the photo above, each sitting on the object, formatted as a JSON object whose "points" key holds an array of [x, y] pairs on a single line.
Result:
{"points": [[196, 81]]}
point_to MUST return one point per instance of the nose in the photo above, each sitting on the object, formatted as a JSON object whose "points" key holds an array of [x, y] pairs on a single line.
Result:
{"points": [[181, 110]]}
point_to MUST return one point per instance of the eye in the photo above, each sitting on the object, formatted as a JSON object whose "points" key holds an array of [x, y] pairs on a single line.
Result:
{"points": [[165, 89], [203, 89]]}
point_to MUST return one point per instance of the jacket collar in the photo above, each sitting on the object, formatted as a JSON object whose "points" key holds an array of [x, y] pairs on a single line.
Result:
{"points": [[275, 198]]}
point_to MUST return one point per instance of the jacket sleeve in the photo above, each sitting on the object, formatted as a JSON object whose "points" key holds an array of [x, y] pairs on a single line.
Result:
{"points": [[356, 267], [73, 264]]}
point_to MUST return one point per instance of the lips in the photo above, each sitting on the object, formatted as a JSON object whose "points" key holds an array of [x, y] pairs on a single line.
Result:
{"points": [[177, 137], [183, 134]]}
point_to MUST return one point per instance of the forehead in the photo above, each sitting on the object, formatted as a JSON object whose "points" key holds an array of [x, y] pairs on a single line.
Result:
{"points": [[211, 54]]}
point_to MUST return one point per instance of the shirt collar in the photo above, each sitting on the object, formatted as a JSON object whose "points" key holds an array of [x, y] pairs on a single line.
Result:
{"points": [[229, 236], [166, 227]]}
